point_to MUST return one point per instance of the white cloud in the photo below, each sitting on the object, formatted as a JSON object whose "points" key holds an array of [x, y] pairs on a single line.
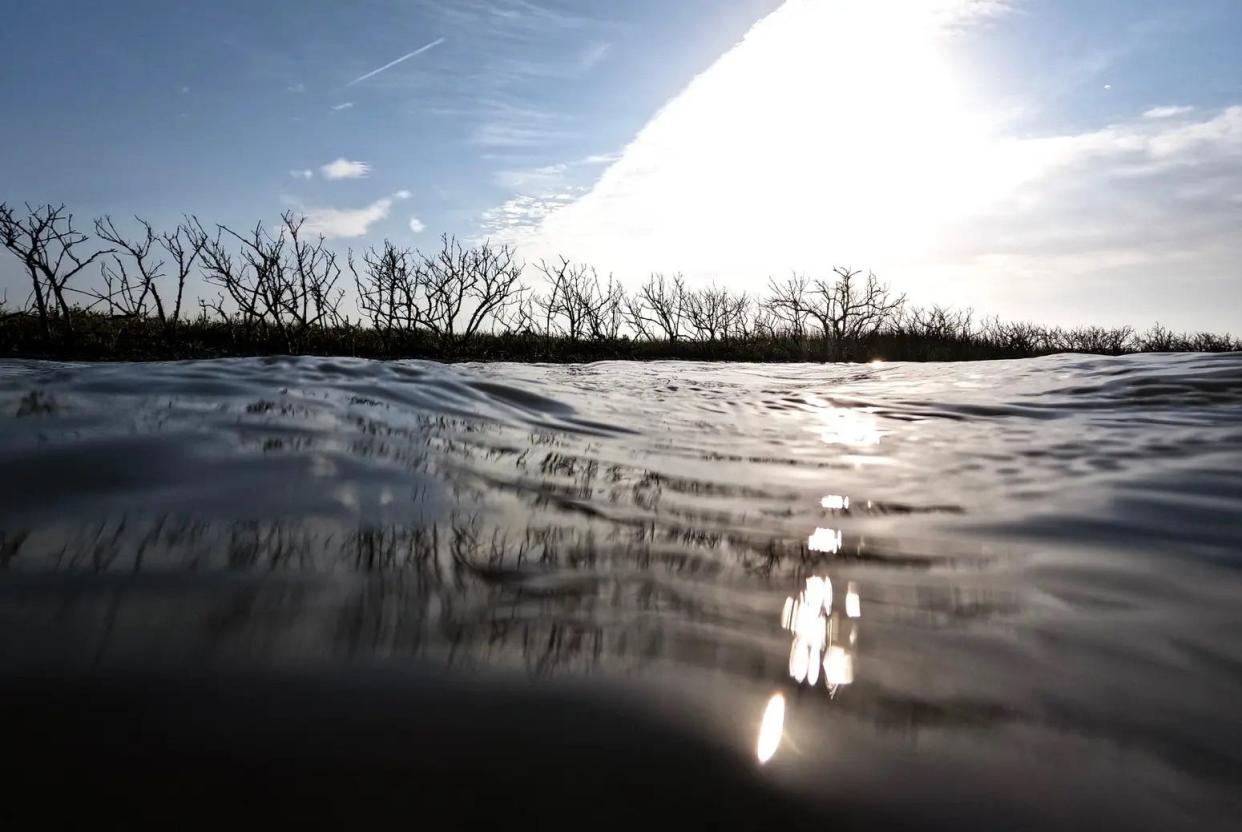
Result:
{"points": [[298, 87], [1167, 112], [417, 226], [346, 222], [344, 105], [740, 177], [302, 174], [343, 168]]}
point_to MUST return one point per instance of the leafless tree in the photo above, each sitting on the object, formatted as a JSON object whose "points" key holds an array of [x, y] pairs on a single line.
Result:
{"points": [[577, 305], [846, 309], [1211, 342], [184, 245], [787, 303], [314, 300], [658, 310], [255, 281], [453, 293], [50, 248], [763, 324], [714, 314], [386, 287], [282, 280], [938, 322], [522, 316], [849, 309], [1020, 337], [605, 308], [464, 288], [1091, 339], [128, 290]]}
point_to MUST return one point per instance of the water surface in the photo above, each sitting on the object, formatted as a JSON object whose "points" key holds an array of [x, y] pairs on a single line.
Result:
{"points": [[996, 593]]}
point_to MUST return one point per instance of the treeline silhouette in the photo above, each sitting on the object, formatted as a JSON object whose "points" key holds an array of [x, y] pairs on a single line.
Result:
{"points": [[117, 294]]}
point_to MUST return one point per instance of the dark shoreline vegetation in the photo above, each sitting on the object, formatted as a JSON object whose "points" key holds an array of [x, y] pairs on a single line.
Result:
{"points": [[113, 296]]}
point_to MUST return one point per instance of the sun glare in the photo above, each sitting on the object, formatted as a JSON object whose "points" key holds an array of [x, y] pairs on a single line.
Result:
{"points": [[845, 127]]}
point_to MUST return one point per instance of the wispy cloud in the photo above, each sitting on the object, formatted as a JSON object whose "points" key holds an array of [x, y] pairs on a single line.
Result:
{"points": [[510, 122], [343, 168], [306, 173], [592, 55], [530, 178], [555, 177], [500, 134], [510, 17], [344, 105], [297, 87], [1167, 112], [420, 50], [600, 158], [349, 222]]}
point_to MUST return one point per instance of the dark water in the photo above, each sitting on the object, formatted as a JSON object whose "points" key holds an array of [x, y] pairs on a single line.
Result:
{"points": [[986, 595]]}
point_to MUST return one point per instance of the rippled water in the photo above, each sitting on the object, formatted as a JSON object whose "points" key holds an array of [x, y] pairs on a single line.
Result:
{"points": [[997, 592]]}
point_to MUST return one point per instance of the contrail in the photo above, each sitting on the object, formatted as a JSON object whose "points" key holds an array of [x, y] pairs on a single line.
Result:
{"points": [[420, 50]]}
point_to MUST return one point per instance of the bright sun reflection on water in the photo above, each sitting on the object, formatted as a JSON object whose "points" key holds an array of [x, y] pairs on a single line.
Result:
{"points": [[771, 728], [835, 502], [845, 426], [825, 540], [821, 640], [852, 608]]}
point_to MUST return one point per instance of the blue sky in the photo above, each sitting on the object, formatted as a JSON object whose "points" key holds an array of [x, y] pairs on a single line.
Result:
{"points": [[1067, 161]]}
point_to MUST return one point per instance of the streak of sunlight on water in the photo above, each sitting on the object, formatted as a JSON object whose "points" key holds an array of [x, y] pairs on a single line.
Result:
{"points": [[771, 727], [1047, 551]]}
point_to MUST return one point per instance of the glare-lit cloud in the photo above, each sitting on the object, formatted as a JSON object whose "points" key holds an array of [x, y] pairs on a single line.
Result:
{"points": [[420, 50], [343, 168], [761, 165], [521, 217], [349, 222]]}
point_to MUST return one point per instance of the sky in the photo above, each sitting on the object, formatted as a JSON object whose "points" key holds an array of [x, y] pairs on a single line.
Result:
{"points": [[1066, 161]]}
